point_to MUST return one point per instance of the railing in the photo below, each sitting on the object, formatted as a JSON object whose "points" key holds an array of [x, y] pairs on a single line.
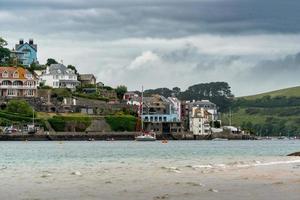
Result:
{"points": [[17, 87]]}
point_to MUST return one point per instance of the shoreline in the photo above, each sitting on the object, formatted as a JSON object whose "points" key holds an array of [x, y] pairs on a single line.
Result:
{"points": [[104, 136]]}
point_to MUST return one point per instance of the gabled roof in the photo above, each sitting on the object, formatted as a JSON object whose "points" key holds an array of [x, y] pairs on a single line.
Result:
{"points": [[11, 70], [33, 46], [86, 77], [60, 69]]}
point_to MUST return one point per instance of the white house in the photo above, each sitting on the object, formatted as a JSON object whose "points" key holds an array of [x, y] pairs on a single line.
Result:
{"points": [[199, 121], [207, 105], [59, 76]]}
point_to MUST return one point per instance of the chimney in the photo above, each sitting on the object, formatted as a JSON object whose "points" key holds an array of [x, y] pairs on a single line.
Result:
{"points": [[21, 41], [31, 41]]}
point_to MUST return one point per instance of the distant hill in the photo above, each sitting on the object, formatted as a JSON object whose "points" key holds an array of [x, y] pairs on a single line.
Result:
{"points": [[266, 114], [287, 92]]}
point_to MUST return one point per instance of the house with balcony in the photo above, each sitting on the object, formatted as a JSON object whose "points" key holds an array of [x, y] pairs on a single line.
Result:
{"points": [[162, 114], [59, 76], [17, 82]]}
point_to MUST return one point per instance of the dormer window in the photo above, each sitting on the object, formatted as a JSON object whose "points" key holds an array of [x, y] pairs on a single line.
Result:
{"points": [[16, 75], [5, 74]]}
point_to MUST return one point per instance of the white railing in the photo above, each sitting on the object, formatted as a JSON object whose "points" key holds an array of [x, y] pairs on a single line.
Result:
{"points": [[17, 87]]}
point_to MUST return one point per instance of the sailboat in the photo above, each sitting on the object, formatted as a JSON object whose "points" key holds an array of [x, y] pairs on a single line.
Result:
{"points": [[144, 136]]}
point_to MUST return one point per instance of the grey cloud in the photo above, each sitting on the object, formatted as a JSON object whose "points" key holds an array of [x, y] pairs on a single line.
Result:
{"points": [[238, 41], [288, 65], [172, 18]]}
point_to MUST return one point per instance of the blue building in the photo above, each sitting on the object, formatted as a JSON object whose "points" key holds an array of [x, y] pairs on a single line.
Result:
{"points": [[26, 53]]}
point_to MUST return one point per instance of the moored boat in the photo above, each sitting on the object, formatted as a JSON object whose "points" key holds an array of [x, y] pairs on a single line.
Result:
{"points": [[144, 137]]}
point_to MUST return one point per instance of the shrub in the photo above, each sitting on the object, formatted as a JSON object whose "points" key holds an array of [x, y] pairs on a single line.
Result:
{"points": [[122, 122], [62, 123], [19, 106]]}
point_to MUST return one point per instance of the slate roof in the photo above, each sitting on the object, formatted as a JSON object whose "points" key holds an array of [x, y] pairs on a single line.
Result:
{"points": [[60, 69]]}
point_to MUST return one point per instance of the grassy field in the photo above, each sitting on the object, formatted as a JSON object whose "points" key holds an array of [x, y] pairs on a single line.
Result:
{"points": [[287, 92], [271, 113]]}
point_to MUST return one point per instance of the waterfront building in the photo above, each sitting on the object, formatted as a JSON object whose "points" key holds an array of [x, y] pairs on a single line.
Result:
{"points": [[87, 79], [17, 82], [200, 121], [162, 114], [59, 76], [25, 52], [207, 105]]}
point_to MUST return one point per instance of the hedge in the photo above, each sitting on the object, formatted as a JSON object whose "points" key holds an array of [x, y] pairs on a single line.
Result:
{"points": [[60, 123], [91, 96], [122, 122]]}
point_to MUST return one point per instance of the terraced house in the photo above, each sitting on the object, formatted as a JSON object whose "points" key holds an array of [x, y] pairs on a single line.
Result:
{"points": [[17, 82]]}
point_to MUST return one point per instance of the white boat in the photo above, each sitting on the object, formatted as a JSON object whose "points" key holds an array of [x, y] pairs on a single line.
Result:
{"points": [[145, 137], [220, 139]]}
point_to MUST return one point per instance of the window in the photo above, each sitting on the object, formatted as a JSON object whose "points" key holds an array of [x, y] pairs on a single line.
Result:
{"points": [[6, 83], [29, 92], [5, 74], [11, 92], [16, 75]]}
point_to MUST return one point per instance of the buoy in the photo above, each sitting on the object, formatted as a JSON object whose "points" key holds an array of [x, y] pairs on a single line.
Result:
{"points": [[164, 141]]}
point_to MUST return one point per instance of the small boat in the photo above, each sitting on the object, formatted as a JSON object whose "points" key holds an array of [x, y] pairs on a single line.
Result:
{"points": [[146, 136], [164, 141], [220, 139]]}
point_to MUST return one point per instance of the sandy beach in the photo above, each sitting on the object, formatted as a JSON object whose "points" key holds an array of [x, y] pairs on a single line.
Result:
{"points": [[154, 181]]}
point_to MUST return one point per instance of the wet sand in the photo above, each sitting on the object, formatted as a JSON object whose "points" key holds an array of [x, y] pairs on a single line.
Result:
{"points": [[152, 181]]}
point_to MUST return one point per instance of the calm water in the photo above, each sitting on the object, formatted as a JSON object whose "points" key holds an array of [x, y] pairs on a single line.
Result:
{"points": [[38, 154]]}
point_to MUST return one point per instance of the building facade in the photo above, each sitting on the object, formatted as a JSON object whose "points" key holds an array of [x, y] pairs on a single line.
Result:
{"points": [[162, 114], [200, 121], [59, 76], [25, 52], [87, 79], [17, 82]]}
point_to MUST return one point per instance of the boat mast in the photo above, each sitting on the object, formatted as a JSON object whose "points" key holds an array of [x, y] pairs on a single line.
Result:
{"points": [[142, 104], [230, 116], [33, 116]]}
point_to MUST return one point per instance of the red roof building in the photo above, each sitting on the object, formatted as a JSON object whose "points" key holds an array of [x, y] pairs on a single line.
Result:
{"points": [[17, 82]]}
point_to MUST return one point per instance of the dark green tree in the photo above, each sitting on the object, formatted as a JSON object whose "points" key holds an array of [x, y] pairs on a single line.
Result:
{"points": [[4, 52], [73, 68], [121, 90], [51, 61], [19, 106]]}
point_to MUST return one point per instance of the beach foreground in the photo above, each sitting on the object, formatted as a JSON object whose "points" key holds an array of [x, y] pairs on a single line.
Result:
{"points": [[75, 174], [147, 182]]}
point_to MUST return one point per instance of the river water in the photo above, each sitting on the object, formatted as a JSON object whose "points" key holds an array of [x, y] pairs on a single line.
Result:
{"points": [[102, 153]]}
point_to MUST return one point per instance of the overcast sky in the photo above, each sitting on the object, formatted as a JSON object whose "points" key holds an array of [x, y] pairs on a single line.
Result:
{"points": [[254, 45]]}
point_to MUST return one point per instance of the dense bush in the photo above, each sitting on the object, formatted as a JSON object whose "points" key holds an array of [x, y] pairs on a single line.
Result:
{"points": [[91, 96], [62, 123], [122, 122], [19, 106], [57, 124]]}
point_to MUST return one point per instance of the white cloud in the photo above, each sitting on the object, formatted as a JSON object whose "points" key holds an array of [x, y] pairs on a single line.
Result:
{"points": [[143, 60]]}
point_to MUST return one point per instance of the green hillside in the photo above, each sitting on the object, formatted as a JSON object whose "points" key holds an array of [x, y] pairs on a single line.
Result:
{"points": [[272, 113], [287, 92]]}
